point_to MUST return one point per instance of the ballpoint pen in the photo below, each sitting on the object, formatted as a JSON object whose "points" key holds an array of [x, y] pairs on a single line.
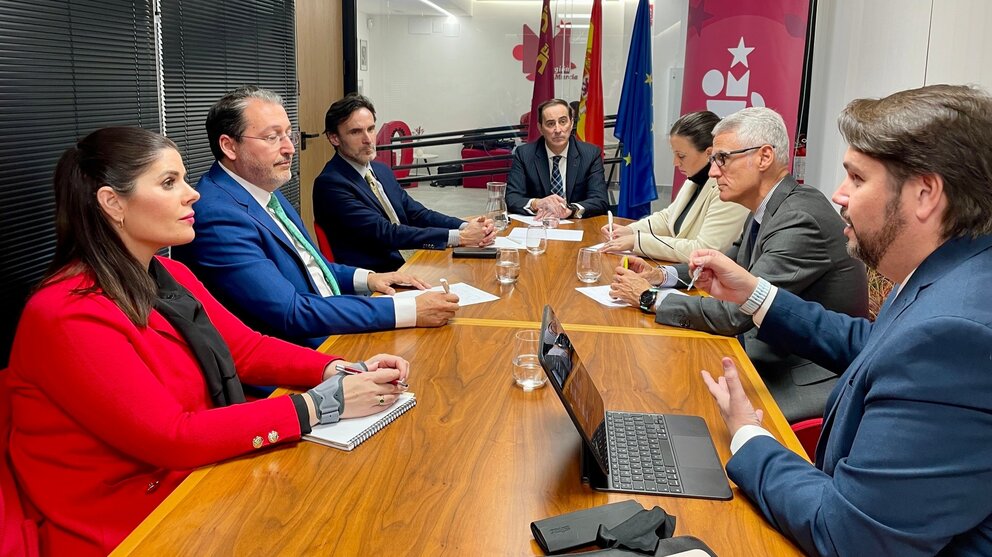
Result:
{"points": [[444, 285], [609, 222], [360, 367], [625, 262]]}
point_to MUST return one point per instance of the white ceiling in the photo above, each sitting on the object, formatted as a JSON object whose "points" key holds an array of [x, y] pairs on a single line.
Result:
{"points": [[415, 7]]}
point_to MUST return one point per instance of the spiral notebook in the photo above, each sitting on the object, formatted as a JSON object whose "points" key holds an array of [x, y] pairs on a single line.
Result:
{"points": [[352, 432]]}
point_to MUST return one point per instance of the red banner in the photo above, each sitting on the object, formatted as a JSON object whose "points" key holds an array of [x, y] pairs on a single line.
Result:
{"points": [[590, 124], [544, 72], [741, 53]]}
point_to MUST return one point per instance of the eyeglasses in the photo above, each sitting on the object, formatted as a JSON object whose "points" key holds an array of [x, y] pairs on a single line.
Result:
{"points": [[721, 158], [276, 139]]}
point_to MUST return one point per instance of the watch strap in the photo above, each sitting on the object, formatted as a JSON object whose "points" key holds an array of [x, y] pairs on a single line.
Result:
{"points": [[757, 297]]}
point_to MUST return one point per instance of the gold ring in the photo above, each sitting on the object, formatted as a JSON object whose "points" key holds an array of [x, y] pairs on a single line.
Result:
{"points": [[382, 400]]}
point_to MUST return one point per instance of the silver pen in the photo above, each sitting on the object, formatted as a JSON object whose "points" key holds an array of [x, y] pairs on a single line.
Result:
{"points": [[444, 285]]}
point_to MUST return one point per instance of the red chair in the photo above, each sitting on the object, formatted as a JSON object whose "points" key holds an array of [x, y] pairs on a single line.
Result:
{"points": [[480, 181], [808, 432], [322, 244], [18, 532]]}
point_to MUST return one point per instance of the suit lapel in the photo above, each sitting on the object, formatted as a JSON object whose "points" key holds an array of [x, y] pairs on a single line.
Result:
{"points": [[543, 168], [572, 171], [774, 202], [950, 255], [254, 210], [359, 183]]}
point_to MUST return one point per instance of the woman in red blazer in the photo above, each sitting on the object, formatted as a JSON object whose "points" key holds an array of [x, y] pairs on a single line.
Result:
{"points": [[125, 372]]}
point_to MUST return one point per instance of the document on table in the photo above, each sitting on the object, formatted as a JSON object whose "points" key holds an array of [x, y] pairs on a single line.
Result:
{"points": [[506, 242], [601, 244], [529, 220], [601, 294], [467, 294], [520, 234]]}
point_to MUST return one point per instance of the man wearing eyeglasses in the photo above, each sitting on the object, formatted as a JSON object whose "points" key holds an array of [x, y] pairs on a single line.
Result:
{"points": [[253, 251], [793, 238]]}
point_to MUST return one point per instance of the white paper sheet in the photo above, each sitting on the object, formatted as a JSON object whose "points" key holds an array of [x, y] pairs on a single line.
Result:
{"points": [[529, 220], [505, 242], [467, 294], [520, 234], [601, 294]]}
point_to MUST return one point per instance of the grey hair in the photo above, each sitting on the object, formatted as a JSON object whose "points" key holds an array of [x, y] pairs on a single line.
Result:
{"points": [[227, 116], [758, 126]]}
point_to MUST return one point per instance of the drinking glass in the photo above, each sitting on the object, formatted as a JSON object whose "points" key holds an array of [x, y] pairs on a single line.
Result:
{"points": [[588, 265], [527, 372], [537, 239], [507, 265], [550, 221]]}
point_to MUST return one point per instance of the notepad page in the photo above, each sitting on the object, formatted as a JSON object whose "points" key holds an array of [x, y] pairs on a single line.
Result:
{"points": [[350, 432]]}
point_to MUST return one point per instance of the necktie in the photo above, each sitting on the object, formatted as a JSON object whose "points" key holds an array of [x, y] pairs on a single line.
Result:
{"points": [[381, 196], [280, 214], [557, 187], [753, 235]]}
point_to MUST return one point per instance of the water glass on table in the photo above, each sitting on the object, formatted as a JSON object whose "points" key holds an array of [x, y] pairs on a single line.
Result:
{"points": [[527, 372], [537, 239], [588, 265], [507, 265], [550, 221]]}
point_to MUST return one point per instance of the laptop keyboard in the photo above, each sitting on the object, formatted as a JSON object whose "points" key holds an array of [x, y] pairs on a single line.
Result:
{"points": [[640, 453]]}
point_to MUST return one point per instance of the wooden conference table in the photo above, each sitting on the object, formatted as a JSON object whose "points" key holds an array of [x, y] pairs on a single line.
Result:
{"points": [[478, 459]]}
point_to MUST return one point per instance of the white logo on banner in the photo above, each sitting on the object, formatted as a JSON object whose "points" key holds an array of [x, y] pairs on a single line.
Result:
{"points": [[736, 89]]}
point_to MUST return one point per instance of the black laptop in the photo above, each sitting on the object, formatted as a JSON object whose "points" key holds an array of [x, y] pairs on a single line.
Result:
{"points": [[658, 454]]}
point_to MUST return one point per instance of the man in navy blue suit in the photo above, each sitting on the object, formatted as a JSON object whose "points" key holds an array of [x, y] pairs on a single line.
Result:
{"points": [[904, 460], [362, 209], [254, 254], [557, 175]]}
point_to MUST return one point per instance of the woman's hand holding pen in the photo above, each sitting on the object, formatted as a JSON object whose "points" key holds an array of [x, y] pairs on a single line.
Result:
{"points": [[367, 393]]}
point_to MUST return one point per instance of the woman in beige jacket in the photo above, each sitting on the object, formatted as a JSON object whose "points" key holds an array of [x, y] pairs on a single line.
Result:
{"points": [[696, 219]]}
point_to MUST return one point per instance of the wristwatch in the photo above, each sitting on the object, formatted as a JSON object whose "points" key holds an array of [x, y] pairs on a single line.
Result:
{"points": [[576, 210], [647, 300]]}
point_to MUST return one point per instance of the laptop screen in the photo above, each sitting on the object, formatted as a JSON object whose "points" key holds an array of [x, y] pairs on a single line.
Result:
{"points": [[573, 384]]}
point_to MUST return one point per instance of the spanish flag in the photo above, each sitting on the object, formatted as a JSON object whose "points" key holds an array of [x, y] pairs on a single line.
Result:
{"points": [[590, 117]]}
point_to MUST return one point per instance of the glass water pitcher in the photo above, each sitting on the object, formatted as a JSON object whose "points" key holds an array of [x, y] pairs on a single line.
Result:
{"points": [[496, 206]]}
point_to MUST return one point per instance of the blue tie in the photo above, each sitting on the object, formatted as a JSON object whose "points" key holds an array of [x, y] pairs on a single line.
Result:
{"points": [[753, 235], [557, 187]]}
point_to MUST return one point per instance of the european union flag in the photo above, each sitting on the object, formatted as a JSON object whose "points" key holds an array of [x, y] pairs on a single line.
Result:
{"points": [[635, 123]]}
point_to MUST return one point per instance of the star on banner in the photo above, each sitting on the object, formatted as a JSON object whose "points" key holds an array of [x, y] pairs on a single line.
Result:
{"points": [[627, 159], [740, 53], [649, 80]]}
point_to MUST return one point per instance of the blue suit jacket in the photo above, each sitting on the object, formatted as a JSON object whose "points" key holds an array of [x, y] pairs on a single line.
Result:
{"points": [[253, 268], [357, 226], [905, 458], [530, 177]]}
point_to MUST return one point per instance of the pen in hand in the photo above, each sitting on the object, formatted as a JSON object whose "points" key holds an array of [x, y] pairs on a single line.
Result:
{"points": [[609, 221], [625, 262], [355, 370], [444, 285]]}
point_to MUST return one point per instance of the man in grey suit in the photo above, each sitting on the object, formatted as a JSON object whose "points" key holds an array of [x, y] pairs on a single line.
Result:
{"points": [[793, 238]]}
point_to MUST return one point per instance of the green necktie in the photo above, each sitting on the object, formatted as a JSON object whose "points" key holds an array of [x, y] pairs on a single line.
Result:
{"points": [[301, 240]]}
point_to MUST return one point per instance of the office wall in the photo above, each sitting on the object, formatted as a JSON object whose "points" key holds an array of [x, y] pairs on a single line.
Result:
{"points": [[443, 76], [872, 49]]}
